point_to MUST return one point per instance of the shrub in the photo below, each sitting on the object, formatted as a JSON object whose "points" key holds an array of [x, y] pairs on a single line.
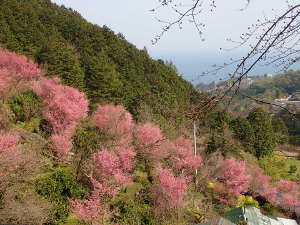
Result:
{"points": [[280, 130], [294, 140], [215, 142], [111, 171], [247, 201], [25, 106], [218, 121], [10, 153], [132, 211], [86, 141], [58, 186], [243, 131], [20, 204], [274, 166]]}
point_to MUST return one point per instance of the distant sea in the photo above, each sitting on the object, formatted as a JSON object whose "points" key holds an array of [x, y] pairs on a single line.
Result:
{"points": [[191, 65]]}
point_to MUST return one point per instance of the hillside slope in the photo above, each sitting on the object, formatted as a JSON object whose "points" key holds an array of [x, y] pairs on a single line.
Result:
{"points": [[268, 89], [92, 58], [65, 159]]}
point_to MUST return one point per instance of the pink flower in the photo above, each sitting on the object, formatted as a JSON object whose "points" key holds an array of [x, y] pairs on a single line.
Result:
{"points": [[233, 175], [115, 121]]}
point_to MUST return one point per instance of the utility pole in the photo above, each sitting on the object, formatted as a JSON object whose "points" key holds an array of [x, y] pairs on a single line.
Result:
{"points": [[195, 148]]}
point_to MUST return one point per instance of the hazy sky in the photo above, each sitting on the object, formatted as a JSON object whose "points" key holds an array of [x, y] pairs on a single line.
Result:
{"points": [[184, 47]]}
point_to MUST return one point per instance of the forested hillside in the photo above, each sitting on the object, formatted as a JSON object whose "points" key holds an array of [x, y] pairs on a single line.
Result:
{"points": [[93, 132], [268, 89], [93, 58]]}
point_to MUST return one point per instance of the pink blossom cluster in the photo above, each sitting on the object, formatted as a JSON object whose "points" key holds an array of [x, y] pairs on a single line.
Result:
{"points": [[239, 178], [259, 181], [112, 167], [185, 159], [10, 153], [110, 172], [8, 141], [148, 135], [284, 193], [114, 121], [169, 191], [233, 175], [65, 106], [93, 208], [175, 187], [16, 70], [174, 157]]}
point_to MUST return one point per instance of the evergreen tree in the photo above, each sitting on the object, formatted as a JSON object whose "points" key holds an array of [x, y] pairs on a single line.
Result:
{"points": [[102, 80], [60, 59], [264, 139], [280, 130], [243, 131]]}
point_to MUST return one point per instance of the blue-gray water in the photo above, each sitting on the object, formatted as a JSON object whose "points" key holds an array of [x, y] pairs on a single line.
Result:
{"points": [[191, 65]]}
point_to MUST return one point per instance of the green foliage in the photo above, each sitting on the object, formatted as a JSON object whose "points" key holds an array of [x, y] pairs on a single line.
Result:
{"points": [[271, 88], [60, 59], [295, 96], [226, 145], [292, 122], [58, 186], [129, 212], [25, 106], [86, 141], [94, 59], [274, 166], [215, 142], [293, 169], [133, 206], [33, 125], [280, 130], [295, 140], [218, 120], [264, 138], [246, 201], [243, 131], [73, 220], [280, 85], [102, 79]]}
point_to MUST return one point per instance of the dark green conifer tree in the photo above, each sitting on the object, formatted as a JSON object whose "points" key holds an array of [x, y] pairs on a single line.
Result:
{"points": [[264, 138]]}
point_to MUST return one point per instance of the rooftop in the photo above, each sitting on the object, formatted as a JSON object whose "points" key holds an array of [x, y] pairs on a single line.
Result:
{"points": [[250, 216]]}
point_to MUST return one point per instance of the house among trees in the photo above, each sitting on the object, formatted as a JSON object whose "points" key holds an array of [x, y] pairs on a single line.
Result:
{"points": [[249, 216]]}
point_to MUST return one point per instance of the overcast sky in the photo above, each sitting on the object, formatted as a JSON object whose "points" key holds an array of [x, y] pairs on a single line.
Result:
{"points": [[184, 47]]}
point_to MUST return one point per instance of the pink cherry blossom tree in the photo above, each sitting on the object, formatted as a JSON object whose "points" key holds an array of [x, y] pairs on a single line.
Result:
{"points": [[65, 106], [184, 159], [16, 71], [10, 155], [233, 175], [111, 171], [115, 121], [169, 192]]}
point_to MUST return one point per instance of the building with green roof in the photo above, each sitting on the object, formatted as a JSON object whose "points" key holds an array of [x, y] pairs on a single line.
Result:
{"points": [[249, 216]]}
